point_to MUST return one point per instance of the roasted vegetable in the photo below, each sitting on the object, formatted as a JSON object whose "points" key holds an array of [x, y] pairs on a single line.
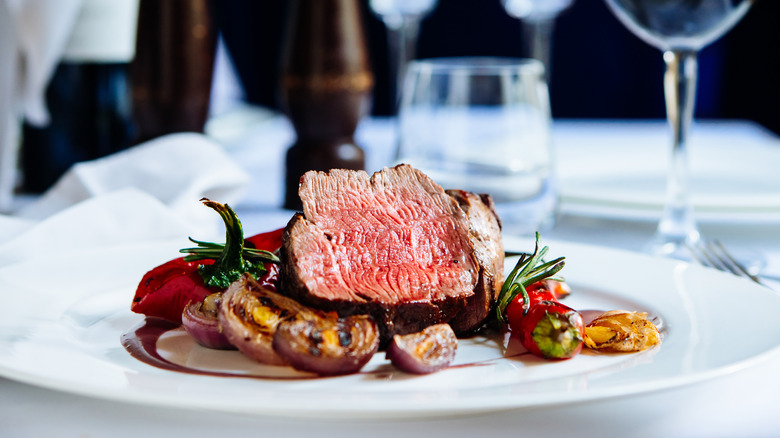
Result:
{"points": [[517, 308], [621, 331], [249, 314], [551, 330], [424, 352], [165, 290], [277, 330], [201, 322], [326, 344], [530, 310]]}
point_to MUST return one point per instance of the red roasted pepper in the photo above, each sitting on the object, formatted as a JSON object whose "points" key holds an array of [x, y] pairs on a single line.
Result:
{"points": [[528, 306], [165, 290], [516, 309], [269, 241], [543, 290], [548, 328]]}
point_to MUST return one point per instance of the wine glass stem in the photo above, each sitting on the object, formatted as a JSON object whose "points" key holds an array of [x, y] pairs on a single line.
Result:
{"points": [[402, 41], [677, 227], [538, 40]]}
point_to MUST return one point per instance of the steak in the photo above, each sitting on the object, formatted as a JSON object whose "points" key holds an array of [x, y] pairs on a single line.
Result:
{"points": [[394, 245], [485, 235]]}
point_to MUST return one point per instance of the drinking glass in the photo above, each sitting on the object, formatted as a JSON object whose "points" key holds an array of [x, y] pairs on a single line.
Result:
{"points": [[402, 19], [483, 125], [538, 17], [679, 28]]}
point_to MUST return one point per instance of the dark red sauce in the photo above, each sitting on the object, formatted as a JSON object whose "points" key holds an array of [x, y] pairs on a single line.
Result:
{"points": [[141, 343]]}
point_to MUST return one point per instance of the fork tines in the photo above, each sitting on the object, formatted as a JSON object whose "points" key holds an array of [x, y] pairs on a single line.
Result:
{"points": [[713, 254]]}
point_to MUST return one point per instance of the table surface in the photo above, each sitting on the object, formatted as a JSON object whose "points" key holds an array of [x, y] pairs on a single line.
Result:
{"points": [[743, 403]]}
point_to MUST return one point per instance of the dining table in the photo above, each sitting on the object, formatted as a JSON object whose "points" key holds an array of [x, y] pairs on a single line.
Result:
{"points": [[611, 184]]}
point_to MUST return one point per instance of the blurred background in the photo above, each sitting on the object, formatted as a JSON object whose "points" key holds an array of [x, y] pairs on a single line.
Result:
{"points": [[599, 69]]}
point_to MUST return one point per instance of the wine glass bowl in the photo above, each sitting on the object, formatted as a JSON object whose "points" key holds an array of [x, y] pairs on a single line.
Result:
{"points": [[535, 10], [679, 28], [680, 24], [395, 12]]}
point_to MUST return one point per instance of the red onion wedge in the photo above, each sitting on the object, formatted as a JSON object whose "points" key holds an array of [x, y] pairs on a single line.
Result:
{"points": [[274, 329], [200, 321], [424, 352], [327, 345], [249, 315]]}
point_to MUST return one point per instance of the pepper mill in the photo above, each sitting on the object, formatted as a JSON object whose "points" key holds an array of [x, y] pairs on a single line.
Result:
{"points": [[326, 88], [173, 67]]}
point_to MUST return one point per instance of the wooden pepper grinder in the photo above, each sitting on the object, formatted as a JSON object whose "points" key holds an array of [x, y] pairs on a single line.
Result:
{"points": [[173, 67], [326, 88]]}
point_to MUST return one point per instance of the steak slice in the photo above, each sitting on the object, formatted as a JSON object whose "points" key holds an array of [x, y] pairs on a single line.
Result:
{"points": [[485, 234], [393, 245]]}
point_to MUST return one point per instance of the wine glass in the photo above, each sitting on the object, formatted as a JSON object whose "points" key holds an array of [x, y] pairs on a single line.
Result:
{"points": [[680, 28], [402, 19], [538, 17], [483, 125]]}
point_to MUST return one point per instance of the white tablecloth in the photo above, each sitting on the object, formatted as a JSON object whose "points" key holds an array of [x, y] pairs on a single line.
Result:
{"points": [[742, 404]]}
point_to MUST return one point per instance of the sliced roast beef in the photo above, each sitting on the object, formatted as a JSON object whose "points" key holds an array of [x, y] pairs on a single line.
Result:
{"points": [[393, 245], [485, 234]]}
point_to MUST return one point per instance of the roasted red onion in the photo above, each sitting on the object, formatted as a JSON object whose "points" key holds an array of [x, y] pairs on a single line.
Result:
{"points": [[327, 345], [249, 315], [274, 329], [424, 352], [200, 321]]}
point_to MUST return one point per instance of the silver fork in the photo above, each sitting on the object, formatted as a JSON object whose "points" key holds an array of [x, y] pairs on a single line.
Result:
{"points": [[713, 254]]}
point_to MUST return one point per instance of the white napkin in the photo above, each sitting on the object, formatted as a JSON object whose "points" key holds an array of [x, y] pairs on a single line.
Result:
{"points": [[145, 193]]}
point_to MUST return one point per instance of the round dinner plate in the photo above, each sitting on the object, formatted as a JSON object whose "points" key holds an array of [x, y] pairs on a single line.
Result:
{"points": [[66, 317]]}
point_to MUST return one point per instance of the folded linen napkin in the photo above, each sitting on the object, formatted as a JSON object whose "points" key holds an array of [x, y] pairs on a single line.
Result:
{"points": [[145, 193]]}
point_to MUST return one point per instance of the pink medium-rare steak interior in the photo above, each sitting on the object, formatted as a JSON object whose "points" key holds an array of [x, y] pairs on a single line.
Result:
{"points": [[393, 237]]}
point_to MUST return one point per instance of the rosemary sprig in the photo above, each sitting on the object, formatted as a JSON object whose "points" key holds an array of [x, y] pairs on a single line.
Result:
{"points": [[528, 270], [231, 259], [211, 250]]}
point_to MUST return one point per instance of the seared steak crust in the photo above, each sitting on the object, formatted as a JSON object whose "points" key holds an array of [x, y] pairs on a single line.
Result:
{"points": [[485, 234], [393, 245]]}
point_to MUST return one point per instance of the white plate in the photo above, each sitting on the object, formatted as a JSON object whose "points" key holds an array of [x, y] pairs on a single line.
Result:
{"points": [[65, 316], [619, 169]]}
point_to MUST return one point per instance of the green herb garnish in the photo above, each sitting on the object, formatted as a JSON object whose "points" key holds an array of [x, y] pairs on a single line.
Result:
{"points": [[528, 270], [232, 259]]}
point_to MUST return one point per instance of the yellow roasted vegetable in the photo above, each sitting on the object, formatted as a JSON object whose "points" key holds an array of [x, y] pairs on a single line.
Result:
{"points": [[621, 331]]}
